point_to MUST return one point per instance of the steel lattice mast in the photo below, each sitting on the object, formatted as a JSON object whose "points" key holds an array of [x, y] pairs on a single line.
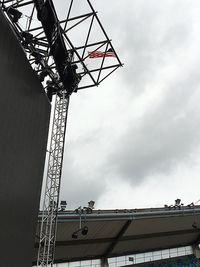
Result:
{"points": [[52, 189], [61, 67]]}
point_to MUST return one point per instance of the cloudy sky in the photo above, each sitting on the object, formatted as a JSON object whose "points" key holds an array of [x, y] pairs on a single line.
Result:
{"points": [[135, 140]]}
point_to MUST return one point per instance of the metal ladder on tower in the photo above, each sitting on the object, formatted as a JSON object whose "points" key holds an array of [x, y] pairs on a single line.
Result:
{"points": [[52, 189]]}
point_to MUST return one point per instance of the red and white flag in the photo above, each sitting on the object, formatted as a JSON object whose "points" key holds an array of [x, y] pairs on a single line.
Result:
{"points": [[96, 54]]}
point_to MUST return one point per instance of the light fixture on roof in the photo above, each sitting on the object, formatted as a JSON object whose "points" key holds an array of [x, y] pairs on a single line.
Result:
{"points": [[191, 205], [90, 207], [63, 205], [83, 230], [177, 201], [91, 204]]}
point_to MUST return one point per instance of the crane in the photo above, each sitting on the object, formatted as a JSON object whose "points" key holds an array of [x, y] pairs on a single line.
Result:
{"points": [[63, 68]]}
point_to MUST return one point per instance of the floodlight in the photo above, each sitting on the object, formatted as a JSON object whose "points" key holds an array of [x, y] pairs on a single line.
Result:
{"points": [[91, 204], [51, 90], [37, 56], [194, 225], [177, 201], [75, 235], [190, 205], [42, 75], [15, 14], [70, 77], [84, 230], [63, 205], [28, 37]]}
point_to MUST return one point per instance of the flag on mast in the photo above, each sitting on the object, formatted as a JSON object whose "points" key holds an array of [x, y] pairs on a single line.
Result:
{"points": [[96, 54]]}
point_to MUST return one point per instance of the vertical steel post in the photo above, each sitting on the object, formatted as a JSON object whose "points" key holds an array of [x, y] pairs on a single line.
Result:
{"points": [[52, 189]]}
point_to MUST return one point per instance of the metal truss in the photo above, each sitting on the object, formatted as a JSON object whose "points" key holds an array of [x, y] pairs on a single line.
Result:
{"points": [[38, 48], [63, 66], [52, 189]]}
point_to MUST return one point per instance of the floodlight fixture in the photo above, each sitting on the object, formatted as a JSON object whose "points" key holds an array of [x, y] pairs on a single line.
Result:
{"points": [[177, 201], [194, 225], [91, 204], [14, 14], [42, 75], [75, 235], [191, 205], [37, 56], [28, 37], [84, 230], [63, 205]]}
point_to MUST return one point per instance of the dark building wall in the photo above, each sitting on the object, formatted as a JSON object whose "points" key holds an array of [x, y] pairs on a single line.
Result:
{"points": [[24, 121]]}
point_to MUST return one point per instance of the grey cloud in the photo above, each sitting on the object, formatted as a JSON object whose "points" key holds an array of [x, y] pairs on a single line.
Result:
{"points": [[163, 138], [78, 190], [81, 182], [152, 48]]}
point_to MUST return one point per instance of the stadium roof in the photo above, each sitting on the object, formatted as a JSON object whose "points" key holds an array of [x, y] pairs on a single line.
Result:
{"points": [[122, 232]]}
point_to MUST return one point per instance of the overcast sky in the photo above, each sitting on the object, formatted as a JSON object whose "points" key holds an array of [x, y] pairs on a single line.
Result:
{"points": [[135, 140]]}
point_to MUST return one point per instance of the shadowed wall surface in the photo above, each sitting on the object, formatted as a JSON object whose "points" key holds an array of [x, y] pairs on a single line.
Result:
{"points": [[24, 122]]}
